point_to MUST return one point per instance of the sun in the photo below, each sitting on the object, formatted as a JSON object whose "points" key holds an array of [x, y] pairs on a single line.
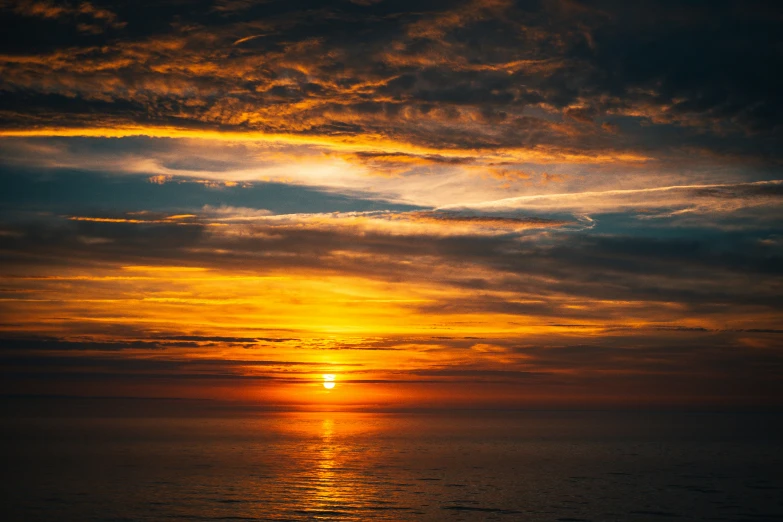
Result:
{"points": [[328, 381]]}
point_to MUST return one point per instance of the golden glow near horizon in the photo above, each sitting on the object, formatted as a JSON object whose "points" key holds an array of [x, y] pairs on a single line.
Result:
{"points": [[268, 331]]}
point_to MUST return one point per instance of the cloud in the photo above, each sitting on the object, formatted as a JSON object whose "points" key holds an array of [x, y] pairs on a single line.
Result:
{"points": [[687, 362], [665, 201], [509, 266], [475, 75], [88, 18], [381, 179]]}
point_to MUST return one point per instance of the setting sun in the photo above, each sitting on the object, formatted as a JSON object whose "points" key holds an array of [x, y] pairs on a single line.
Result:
{"points": [[329, 381]]}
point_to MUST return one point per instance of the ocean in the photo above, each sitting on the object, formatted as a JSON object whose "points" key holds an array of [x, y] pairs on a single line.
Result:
{"points": [[527, 466]]}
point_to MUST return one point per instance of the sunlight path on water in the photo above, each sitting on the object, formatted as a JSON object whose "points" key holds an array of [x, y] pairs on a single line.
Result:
{"points": [[535, 466]]}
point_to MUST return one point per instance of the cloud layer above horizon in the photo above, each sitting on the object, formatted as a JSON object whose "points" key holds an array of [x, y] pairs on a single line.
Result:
{"points": [[480, 203]]}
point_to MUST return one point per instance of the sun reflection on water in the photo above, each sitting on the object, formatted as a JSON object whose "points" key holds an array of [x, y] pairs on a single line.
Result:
{"points": [[330, 492], [336, 472]]}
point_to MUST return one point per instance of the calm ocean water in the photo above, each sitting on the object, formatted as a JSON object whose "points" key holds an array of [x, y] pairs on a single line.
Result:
{"points": [[532, 466]]}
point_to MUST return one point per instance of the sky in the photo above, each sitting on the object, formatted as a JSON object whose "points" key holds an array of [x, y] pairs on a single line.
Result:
{"points": [[460, 204]]}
